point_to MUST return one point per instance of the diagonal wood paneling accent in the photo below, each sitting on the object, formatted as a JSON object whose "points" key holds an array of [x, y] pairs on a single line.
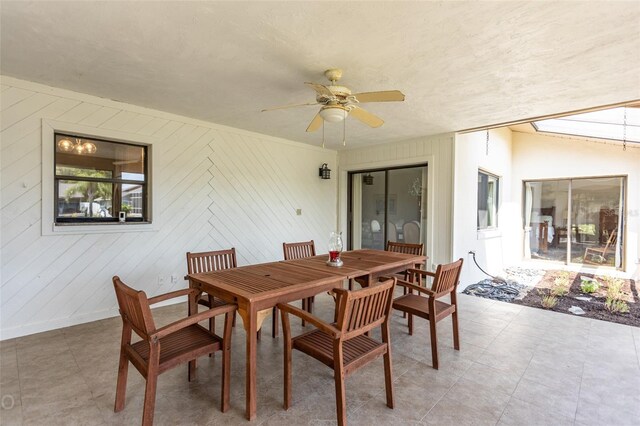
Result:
{"points": [[216, 187]]}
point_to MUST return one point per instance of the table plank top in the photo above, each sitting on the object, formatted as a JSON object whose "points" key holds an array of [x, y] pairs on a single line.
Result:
{"points": [[265, 280]]}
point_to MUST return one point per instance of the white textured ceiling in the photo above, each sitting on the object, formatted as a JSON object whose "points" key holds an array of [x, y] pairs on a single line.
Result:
{"points": [[460, 65]]}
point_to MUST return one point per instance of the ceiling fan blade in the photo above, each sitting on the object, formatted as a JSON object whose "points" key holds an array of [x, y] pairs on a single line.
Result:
{"points": [[320, 89], [315, 123], [366, 117], [385, 96], [288, 106]]}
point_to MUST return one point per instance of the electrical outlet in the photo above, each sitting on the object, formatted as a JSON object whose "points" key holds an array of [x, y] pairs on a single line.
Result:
{"points": [[174, 278]]}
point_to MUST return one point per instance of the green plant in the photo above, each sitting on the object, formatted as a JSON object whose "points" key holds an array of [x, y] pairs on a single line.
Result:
{"points": [[549, 301], [561, 284], [615, 296], [616, 306], [559, 290], [589, 285]]}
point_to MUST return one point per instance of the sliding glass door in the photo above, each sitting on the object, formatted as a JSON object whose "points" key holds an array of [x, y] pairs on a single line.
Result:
{"points": [[575, 220], [386, 205]]}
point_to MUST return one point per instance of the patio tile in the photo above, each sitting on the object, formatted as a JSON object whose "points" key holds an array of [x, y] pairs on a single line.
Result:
{"points": [[515, 366], [524, 413], [487, 376], [614, 409], [563, 401], [468, 402]]}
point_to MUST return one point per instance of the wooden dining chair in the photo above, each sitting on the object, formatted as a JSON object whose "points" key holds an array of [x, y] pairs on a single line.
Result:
{"points": [[598, 255], [209, 261], [298, 251], [164, 348], [445, 282], [411, 232], [344, 345], [414, 249]]}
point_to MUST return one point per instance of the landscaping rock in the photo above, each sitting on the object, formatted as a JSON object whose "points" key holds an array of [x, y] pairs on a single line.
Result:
{"points": [[576, 310]]}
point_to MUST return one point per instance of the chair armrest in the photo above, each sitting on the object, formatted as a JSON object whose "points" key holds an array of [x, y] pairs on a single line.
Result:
{"points": [[421, 272], [193, 319], [171, 295], [415, 287], [317, 322]]}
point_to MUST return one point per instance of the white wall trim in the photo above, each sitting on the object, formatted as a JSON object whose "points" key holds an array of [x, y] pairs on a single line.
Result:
{"points": [[40, 327], [49, 227], [68, 94]]}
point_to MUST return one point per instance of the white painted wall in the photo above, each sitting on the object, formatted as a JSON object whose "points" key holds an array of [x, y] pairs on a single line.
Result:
{"points": [[213, 187], [437, 152], [516, 157], [542, 156], [492, 247]]}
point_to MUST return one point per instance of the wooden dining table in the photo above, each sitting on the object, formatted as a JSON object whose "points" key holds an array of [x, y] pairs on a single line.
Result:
{"points": [[258, 288]]}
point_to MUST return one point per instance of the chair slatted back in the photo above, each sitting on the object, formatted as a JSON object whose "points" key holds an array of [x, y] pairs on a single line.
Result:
{"points": [[362, 310], [406, 248], [134, 308], [209, 261], [447, 277], [411, 232], [298, 250], [611, 240]]}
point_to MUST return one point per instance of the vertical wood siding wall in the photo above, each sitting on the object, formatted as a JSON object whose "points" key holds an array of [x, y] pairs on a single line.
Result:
{"points": [[214, 187], [438, 152]]}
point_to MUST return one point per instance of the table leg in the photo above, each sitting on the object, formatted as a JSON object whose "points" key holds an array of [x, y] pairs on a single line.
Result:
{"points": [[192, 310], [250, 321]]}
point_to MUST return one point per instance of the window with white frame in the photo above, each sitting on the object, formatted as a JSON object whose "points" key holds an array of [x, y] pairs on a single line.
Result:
{"points": [[487, 200], [99, 181]]}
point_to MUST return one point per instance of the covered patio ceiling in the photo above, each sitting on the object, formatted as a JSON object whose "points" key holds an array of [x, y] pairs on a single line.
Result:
{"points": [[460, 64]]}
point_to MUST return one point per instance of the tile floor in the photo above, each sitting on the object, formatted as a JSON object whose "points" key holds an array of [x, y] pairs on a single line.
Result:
{"points": [[517, 365]]}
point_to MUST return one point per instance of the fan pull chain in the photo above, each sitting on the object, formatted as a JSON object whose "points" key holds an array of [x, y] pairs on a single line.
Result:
{"points": [[624, 130], [323, 133], [344, 132]]}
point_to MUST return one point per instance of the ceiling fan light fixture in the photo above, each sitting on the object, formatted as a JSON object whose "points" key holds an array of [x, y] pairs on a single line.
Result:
{"points": [[333, 114]]}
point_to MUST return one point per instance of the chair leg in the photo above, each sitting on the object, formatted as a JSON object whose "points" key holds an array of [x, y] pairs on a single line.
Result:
{"points": [[341, 400], [212, 320], [434, 342], [150, 389], [388, 367], [274, 322], [286, 331], [404, 293], [226, 363], [121, 387], [410, 325], [192, 370], [304, 308], [456, 334]]}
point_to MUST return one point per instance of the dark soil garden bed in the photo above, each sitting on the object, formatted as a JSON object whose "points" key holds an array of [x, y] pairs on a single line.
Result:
{"points": [[594, 308]]}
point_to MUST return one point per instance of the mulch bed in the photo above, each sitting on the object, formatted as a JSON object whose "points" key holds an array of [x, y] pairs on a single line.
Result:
{"points": [[595, 308]]}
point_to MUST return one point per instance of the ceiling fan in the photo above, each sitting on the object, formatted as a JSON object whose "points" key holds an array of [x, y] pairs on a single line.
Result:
{"points": [[338, 102]]}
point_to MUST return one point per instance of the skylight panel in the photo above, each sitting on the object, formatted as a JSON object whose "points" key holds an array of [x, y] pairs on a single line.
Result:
{"points": [[605, 124]]}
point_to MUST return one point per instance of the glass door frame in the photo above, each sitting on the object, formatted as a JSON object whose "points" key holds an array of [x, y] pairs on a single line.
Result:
{"points": [[386, 170], [622, 216]]}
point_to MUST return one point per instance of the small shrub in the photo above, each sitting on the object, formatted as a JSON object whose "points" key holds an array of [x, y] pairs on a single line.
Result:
{"points": [[589, 285], [559, 290], [549, 301], [616, 306], [614, 286], [561, 284], [615, 296]]}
